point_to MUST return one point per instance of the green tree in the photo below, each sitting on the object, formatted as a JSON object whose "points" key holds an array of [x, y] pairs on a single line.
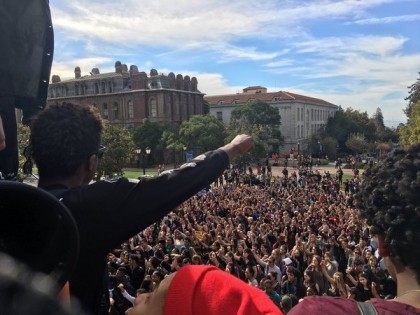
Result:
{"points": [[410, 133], [119, 149], [356, 143], [202, 132], [413, 96], [378, 120], [148, 135], [329, 147], [171, 141], [262, 122]]}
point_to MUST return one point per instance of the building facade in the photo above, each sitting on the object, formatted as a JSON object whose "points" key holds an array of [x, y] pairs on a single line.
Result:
{"points": [[301, 116], [128, 97]]}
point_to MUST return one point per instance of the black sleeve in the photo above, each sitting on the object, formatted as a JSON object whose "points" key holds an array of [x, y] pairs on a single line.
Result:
{"points": [[121, 209]]}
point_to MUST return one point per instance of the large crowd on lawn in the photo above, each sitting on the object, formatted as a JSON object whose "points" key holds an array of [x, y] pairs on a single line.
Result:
{"points": [[292, 236]]}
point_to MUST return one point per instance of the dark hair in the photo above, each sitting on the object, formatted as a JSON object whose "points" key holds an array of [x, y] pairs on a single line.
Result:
{"points": [[389, 199], [62, 137]]}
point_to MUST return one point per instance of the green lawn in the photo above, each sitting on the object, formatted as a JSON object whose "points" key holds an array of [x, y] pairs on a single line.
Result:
{"points": [[136, 172], [346, 177]]}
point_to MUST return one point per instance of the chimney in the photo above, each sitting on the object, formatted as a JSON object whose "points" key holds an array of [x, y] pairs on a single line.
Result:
{"points": [[55, 79], [118, 67], [77, 73], [133, 69], [95, 71]]}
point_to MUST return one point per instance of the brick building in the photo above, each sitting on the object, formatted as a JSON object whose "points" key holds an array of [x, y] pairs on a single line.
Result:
{"points": [[301, 116], [127, 97]]}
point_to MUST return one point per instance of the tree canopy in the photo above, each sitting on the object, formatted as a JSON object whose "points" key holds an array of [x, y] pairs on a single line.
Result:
{"points": [[413, 96], [350, 122], [148, 135], [119, 149], [410, 133], [262, 122], [202, 132]]}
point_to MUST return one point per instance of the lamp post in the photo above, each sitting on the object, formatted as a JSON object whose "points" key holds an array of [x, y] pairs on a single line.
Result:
{"points": [[138, 152], [184, 149], [143, 153], [320, 148], [144, 163]]}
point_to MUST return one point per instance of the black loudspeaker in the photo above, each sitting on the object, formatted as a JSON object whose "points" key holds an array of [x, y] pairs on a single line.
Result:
{"points": [[26, 53], [38, 230]]}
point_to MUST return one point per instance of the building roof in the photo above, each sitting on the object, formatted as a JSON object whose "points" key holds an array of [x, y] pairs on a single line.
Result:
{"points": [[280, 96], [93, 77]]}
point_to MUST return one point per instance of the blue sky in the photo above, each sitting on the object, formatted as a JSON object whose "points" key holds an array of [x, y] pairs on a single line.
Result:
{"points": [[355, 53]]}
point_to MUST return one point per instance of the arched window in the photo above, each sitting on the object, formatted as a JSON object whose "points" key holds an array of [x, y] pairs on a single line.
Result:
{"points": [[105, 110], [116, 111], [110, 87], [130, 109], [152, 108]]}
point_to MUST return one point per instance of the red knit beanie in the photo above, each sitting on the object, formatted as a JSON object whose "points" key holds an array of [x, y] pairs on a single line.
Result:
{"points": [[206, 290]]}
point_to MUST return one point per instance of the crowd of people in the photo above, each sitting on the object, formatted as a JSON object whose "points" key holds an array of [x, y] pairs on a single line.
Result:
{"points": [[291, 236]]}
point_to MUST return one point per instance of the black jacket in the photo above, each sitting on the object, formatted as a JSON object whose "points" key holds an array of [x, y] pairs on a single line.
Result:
{"points": [[109, 213]]}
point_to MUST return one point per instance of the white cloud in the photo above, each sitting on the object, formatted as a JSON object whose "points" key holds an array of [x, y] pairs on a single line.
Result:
{"points": [[178, 23], [388, 19], [65, 68], [378, 45]]}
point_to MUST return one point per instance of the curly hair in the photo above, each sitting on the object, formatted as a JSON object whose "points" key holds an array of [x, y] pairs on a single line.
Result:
{"points": [[389, 199], [63, 136]]}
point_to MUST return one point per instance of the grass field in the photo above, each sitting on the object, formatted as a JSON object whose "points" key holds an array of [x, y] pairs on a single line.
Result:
{"points": [[346, 177], [134, 173]]}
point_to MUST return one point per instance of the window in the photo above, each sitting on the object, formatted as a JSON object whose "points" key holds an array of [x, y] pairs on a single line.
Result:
{"points": [[103, 89], [219, 116], [96, 88], [110, 87], [301, 114], [298, 114], [105, 110], [76, 89], [152, 108], [116, 111], [130, 109], [312, 114]]}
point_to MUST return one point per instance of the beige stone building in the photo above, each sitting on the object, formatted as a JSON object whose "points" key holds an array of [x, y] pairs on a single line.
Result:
{"points": [[301, 116]]}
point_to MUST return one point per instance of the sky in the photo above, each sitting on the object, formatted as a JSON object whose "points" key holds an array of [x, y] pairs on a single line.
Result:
{"points": [[354, 53]]}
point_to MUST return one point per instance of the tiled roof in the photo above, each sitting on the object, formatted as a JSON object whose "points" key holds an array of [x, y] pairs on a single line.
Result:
{"points": [[280, 96]]}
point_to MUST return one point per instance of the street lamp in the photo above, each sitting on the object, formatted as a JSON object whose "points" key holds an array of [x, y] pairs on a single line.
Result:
{"points": [[143, 153], [147, 155], [320, 148], [138, 152], [298, 148], [184, 149]]}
